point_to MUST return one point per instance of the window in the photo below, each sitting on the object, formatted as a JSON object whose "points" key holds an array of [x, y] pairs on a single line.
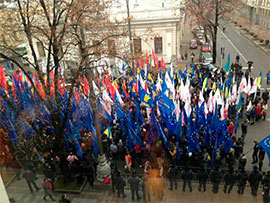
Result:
{"points": [[137, 45], [111, 46], [40, 49], [158, 45]]}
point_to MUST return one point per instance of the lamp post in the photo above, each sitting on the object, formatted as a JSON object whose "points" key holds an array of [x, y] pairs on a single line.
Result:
{"points": [[103, 167], [130, 37]]}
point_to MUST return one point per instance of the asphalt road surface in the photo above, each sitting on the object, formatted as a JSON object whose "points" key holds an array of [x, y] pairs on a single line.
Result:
{"points": [[235, 43]]}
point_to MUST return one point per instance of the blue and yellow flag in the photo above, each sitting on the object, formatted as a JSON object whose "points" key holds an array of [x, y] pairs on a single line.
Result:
{"points": [[205, 83], [259, 82], [146, 98], [108, 132]]}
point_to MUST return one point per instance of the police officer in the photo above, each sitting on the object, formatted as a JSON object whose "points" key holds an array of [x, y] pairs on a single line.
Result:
{"points": [[216, 179], [242, 162], [242, 178], [255, 152], [202, 176], [172, 175], [134, 182], [266, 187], [254, 179], [229, 180], [261, 157], [187, 176], [119, 185], [266, 178]]}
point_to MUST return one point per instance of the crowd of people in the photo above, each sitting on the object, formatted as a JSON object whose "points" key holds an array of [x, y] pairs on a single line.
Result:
{"points": [[143, 135]]}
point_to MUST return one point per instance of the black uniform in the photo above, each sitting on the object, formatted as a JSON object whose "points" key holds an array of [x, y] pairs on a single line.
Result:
{"points": [[261, 158], [216, 179], [266, 188], [202, 176], [172, 175], [30, 179], [254, 179], [255, 153], [242, 162], [134, 182], [187, 176], [229, 179], [119, 185], [242, 178]]}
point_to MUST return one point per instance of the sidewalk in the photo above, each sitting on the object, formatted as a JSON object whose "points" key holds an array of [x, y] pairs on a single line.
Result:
{"points": [[259, 31], [184, 44], [19, 191]]}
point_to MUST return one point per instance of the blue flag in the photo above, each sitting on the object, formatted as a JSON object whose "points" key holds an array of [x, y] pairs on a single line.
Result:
{"points": [[227, 65], [265, 144]]}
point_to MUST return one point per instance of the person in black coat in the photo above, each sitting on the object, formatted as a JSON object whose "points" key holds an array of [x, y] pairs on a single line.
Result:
{"points": [[242, 178], [266, 188], [229, 179], [202, 176], [134, 182], [120, 185], [30, 179], [266, 179], [242, 162], [172, 175], [216, 179], [255, 152], [89, 173], [64, 199], [254, 179], [186, 177], [145, 184], [261, 157], [266, 193]]}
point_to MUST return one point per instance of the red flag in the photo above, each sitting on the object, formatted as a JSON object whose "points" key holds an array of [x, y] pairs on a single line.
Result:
{"points": [[110, 86], [153, 54], [162, 63], [85, 86], [3, 82], [61, 89], [147, 58], [156, 61], [142, 62]]}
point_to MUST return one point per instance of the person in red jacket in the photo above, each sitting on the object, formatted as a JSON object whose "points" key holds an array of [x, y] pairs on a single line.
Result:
{"points": [[231, 128], [258, 112]]}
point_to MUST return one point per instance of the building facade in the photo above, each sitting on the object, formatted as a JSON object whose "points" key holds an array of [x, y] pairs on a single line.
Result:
{"points": [[258, 11], [155, 26]]}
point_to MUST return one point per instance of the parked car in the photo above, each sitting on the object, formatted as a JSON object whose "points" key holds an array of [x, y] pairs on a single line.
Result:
{"points": [[206, 47], [201, 39], [200, 33], [197, 28], [206, 58], [193, 44]]}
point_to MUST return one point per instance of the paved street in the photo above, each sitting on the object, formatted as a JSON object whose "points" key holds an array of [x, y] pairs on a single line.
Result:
{"points": [[235, 43], [102, 193]]}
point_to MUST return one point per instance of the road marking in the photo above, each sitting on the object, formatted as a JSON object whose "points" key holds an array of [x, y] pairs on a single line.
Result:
{"points": [[245, 68], [263, 88], [233, 45]]}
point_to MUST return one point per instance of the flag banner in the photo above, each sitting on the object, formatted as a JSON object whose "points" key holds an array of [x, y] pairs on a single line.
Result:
{"points": [[265, 144]]}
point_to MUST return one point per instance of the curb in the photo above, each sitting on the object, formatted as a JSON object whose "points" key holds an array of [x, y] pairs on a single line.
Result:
{"points": [[71, 191], [10, 181], [266, 52]]}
